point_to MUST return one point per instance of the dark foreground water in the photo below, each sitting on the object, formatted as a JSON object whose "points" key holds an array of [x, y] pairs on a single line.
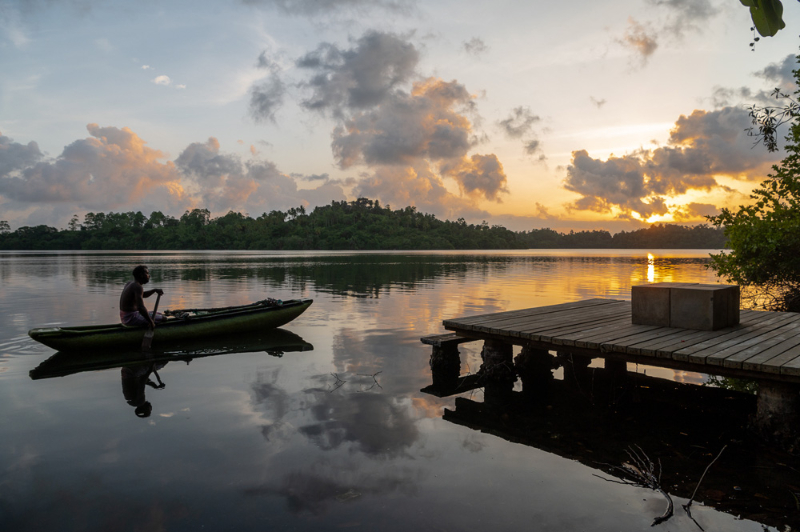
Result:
{"points": [[324, 426]]}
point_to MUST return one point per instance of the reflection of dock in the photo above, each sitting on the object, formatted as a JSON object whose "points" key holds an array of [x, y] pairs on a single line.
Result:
{"points": [[763, 346], [668, 421]]}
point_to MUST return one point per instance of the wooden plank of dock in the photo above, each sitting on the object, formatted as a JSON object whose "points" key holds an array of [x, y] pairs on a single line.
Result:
{"points": [[763, 345]]}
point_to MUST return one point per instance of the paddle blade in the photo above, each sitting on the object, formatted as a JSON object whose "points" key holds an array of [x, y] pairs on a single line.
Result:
{"points": [[147, 341]]}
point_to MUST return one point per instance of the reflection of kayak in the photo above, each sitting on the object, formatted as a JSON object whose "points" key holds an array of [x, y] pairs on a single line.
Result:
{"points": [[197, 323], [274, 342]]}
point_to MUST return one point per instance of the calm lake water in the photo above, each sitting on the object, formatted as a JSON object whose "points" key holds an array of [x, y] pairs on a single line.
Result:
{"points": [[334, 432]]}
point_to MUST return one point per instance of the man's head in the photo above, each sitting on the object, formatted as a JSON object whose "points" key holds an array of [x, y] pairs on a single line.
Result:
{"points": [[144, 410], [141, 274]]}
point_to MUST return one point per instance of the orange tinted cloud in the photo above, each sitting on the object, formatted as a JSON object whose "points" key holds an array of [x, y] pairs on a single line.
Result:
{"points": [[702, 146], [113, 167]]}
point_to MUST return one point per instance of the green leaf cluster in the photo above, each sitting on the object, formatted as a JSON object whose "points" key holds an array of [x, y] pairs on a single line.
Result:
{"points": [[767, 16]]}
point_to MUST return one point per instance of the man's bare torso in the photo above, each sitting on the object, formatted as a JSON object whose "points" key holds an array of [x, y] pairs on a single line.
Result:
{"points": [[130, 294]]}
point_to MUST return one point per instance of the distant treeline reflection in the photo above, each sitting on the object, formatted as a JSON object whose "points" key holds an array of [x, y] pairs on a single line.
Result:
{"points": [[356, 225]]}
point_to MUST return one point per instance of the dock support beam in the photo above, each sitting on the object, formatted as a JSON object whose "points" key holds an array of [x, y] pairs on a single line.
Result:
{"points": [[497, 371]]}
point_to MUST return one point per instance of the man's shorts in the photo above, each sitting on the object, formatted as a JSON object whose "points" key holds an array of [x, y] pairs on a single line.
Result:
{"points": [[135, 318]]}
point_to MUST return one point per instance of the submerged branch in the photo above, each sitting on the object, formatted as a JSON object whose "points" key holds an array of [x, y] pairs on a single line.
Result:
{"points": [[640, 472]]}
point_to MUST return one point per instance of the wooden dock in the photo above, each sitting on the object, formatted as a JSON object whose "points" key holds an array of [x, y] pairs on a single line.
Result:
{"points": [[764, 346]]}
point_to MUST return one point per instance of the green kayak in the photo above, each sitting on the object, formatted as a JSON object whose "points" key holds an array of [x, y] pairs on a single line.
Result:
{"points": [[180, 325]]}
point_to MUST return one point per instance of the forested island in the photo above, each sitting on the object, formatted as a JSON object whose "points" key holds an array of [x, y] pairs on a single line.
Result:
{"points": [[362, 224]]}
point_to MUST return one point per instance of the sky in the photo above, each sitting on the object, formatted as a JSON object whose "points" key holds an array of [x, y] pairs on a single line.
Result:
{"points": [[569, 115]]}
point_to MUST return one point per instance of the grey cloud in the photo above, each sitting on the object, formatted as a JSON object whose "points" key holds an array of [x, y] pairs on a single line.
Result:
{"points": [[726, 96], [598, 103], [781, 74], [519, 122], [686, 14], [16, 156], [701, 145], [266, 62], [406, 128], [360, 77], [475, 46], [317, 177], [205, 161], [266, 98], [482, 174], [531, 147], [224, 182], [323, 7]]}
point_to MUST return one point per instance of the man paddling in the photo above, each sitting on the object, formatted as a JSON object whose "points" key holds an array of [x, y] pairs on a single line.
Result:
{"points": [[131, 303]]}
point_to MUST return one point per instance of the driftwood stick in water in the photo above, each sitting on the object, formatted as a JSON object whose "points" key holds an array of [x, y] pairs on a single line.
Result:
{"points": [[687, 507]]}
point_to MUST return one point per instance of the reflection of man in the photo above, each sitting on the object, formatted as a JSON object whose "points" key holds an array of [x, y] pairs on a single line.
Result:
{"points": [[131, 303], [134, 379]]}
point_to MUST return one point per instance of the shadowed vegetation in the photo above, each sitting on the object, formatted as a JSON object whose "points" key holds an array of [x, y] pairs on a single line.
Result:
{"points": [[357, 225]]}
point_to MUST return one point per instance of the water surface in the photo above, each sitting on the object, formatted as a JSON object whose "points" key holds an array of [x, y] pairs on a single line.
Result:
{"points": [[332, 435]]}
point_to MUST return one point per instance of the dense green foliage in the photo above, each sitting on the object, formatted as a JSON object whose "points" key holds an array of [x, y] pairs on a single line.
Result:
{"points": [[356, 225], [765, 236]]}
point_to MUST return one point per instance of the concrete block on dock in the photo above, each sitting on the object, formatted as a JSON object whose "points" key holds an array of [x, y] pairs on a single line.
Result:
{"points": [[706, 307], [650, 303]]}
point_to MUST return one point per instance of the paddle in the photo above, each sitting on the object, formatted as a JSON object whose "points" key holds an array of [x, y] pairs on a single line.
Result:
{"points": [[147, 341]]}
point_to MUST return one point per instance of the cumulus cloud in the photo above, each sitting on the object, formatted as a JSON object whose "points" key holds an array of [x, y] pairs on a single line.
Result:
{"points": [[420, 131], [324, 7], [223, 182], [425, 124], [359, 77], [480, 174], [162, 80], [640, 39], [419, 186], [701, 146], [111, 168], [115, 169], [410, 134], [16, 156], [475, 46]]}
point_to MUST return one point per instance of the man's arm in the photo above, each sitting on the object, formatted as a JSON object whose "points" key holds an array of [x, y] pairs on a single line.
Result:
{"points": [[153, 291], [140, 293]]}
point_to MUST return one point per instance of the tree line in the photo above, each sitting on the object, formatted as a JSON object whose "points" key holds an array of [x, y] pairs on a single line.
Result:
{"points": [[362, 224]]}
